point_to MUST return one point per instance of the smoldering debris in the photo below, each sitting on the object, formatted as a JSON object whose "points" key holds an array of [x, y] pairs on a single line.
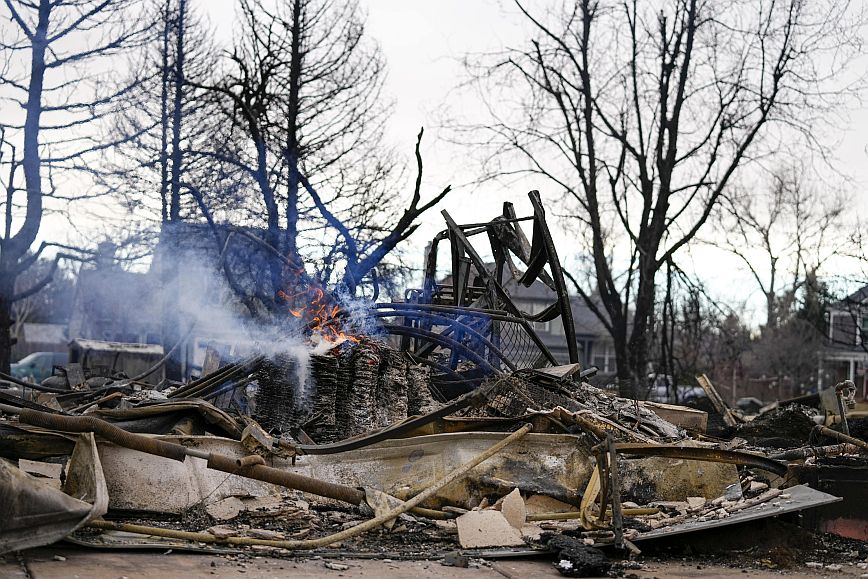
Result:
{"points": [[436, 425], [586, 445]]}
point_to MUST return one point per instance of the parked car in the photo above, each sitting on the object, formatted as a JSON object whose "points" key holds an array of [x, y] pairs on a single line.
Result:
{"points": [[661, 390], [37, 366]]}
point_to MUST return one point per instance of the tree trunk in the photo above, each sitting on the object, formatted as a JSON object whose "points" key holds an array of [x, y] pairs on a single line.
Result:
{"points": [[7, 287], [170, 239], [177, 106], [16, 247], [292, 144]]}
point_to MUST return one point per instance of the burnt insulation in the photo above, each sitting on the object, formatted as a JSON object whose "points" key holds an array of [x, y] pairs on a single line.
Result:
{"points": [[354, 388]]}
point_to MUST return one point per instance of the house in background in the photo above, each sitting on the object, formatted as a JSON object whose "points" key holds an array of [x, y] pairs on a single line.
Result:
{"points": [[115, 305], [40, 338], [844, 355], [595, 345]]}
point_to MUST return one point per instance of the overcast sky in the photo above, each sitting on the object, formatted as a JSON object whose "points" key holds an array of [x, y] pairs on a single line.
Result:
{"points": [[423, 42]]}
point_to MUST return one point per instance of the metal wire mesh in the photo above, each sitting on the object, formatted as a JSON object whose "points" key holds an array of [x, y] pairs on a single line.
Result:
{"points": [[517, 345]]}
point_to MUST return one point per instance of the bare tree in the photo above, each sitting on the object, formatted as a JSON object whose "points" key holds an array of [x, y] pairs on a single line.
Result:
{"points": [[302, 95], [641, 113], [783, 235], [52, 305], [56, 70]]}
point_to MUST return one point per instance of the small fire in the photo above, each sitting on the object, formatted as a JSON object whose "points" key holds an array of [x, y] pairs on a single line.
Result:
{"points": [[320, 316]]}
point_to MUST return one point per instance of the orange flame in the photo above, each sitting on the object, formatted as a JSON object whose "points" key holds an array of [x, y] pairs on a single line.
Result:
{"points": [[319, 315]]}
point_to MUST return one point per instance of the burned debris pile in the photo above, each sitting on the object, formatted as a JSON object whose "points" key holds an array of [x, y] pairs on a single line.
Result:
{"points": [[432, 436], [348, 391]]}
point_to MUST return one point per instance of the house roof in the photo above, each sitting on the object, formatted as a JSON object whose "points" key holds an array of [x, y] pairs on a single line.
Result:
{"points": [[45, 333], [857, 297], [101, 346]]}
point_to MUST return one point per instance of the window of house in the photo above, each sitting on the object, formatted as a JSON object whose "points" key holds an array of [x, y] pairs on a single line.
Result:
{"points": [[538, 308], [604, 358], [534, 308], [557, 327]]}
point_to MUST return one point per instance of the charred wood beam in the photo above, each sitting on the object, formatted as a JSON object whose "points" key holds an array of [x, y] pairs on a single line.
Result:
{"points": [[707, 454]]}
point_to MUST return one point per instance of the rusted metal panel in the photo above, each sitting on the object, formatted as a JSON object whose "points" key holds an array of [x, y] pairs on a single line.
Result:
{"points": [[552, 464], [34, 513], [799, 498]]}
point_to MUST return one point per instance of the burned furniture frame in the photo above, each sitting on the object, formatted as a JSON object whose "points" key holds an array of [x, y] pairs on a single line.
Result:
{"points": [[471, 314]]}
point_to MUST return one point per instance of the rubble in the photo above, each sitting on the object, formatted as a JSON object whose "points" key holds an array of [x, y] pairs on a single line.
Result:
{"points": [[371, 446]]}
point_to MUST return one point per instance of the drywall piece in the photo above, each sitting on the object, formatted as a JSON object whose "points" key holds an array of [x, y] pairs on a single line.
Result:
{"points": [[546, 504], [513, 509], [478, 529]]}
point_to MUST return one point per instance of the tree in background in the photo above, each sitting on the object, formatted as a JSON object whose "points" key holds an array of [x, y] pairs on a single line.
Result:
{"points": [[52, 305], [787, 354], [697, 335], [783, 234], [56, 69], [640, 114], [301, 95]]}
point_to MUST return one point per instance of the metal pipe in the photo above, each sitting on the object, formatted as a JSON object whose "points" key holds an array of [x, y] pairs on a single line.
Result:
{"points": [[177, 452], [34, 386], [201, 380], [341, 535], [819, 451], [105, 430], [112, 396], [840, 389], [841, 436]]}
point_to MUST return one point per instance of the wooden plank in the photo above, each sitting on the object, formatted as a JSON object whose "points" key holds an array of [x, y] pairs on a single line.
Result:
{"points": [[716, 400], [564, 371], [689, 418]]}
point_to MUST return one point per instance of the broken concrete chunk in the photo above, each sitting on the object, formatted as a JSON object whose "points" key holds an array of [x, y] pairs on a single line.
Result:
{"points": [[531, 532], [671, 505], [513, 509], [733, 492], [222, 531], [478, 529], [226, 509], [448, 525], [336, 566], [696, 502], [756, 486], [455, 559]]}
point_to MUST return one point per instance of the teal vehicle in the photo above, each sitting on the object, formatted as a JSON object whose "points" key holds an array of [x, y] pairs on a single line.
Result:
{"points": [[37, 366]]}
